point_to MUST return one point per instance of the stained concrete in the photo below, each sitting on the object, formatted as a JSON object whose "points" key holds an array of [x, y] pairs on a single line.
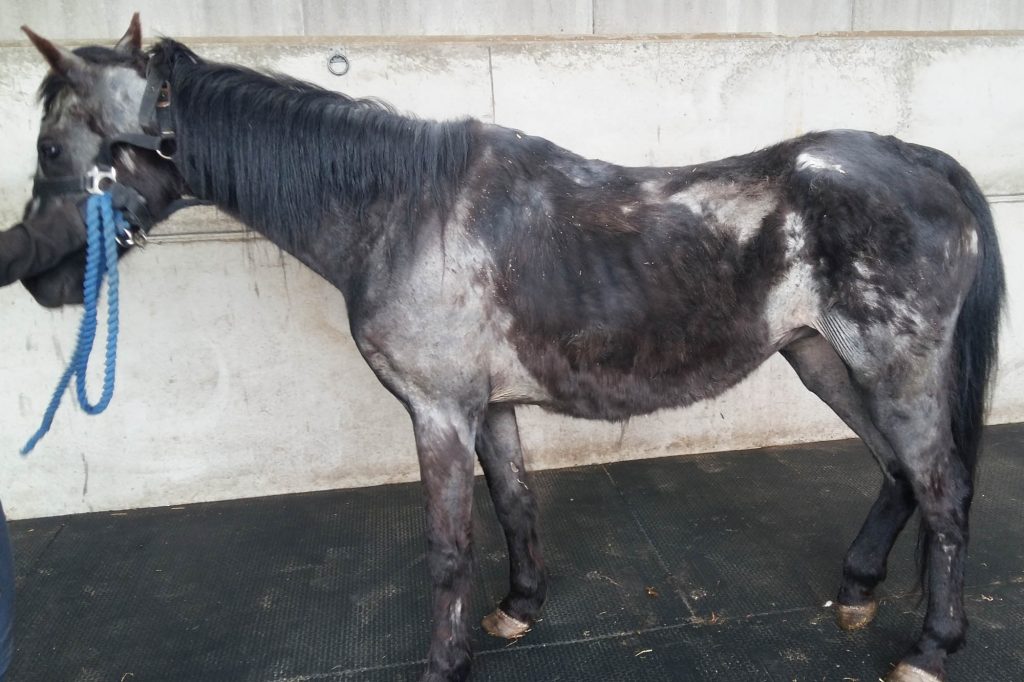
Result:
{"points": [[783, 17], [937, 15]]}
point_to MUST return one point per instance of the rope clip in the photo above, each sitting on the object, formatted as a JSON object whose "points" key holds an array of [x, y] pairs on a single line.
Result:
{"points": [[97, 175], [131, 236]]}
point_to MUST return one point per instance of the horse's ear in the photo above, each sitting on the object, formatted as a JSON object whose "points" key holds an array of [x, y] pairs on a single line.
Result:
{"points": [[131, 41], [62, 61]]}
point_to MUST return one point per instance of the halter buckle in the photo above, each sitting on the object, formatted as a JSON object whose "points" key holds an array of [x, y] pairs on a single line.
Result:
{"points": [[130, 236], [97, 175]]}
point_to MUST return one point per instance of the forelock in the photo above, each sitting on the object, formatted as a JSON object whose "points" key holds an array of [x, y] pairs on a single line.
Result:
{"points": [[54, 83]]}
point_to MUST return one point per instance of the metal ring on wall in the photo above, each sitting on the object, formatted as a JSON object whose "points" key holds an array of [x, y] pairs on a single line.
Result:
{"points": [[338, 63]]}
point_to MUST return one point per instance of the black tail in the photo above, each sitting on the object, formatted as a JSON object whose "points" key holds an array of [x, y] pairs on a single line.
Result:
{"points": [[976, 342]]}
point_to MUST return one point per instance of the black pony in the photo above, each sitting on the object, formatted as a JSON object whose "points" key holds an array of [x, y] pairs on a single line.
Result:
{"points": [[484, 268]]}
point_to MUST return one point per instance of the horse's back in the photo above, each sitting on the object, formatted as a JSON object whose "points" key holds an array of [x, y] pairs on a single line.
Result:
{"points": [[628, 290]]}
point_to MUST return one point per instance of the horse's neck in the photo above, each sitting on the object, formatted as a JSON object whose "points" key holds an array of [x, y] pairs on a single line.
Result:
{"points": [[333, 207], [332, 250]]}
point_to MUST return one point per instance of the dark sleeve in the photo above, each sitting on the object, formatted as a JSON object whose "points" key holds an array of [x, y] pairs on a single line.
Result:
{"points": [[26, 252], [17, 254], [6, 597]]}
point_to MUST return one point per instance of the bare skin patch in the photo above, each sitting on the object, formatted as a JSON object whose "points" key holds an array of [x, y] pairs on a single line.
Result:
{"points": [[795, 301], [807, 161], [739, 209], [972, 242], [842, 335]]}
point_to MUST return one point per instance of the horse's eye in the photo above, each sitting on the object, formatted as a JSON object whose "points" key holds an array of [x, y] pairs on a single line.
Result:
{"points": [[49, 150]]}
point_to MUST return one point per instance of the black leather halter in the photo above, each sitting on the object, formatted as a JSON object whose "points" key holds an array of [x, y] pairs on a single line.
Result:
{"points": [[155, 114]]}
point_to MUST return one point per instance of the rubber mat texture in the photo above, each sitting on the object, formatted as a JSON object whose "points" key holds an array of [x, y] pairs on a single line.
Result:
{"points": [[710, 567]]}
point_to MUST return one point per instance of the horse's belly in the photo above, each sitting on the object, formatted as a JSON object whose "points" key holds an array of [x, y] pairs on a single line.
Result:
{"points": [[613, 392]]}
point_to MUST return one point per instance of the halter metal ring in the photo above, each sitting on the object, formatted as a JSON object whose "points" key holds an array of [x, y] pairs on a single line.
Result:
{"points": [[96, 175]]}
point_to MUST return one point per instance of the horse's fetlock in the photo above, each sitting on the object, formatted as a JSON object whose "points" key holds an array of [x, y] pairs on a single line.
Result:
{"points": [[863, 574], [451, 663], [948, 634]]}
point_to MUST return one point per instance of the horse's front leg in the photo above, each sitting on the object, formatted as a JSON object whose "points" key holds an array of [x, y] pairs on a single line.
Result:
{"points": [[501, 457], [444, 443]]}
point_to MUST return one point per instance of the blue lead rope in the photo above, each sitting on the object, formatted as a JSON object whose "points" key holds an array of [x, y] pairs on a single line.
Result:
{"points": [[102, 224]]}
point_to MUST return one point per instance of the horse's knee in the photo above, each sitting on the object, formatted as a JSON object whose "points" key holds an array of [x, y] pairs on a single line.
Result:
{"points": [[449, 565]]}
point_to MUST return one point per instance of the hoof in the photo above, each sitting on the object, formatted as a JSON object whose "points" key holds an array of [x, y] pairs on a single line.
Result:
{"points": [[500, 624], [911, 673], [857, 616]]}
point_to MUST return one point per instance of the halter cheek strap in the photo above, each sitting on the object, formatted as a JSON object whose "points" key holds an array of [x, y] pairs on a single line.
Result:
{"points": [[155, 114]]}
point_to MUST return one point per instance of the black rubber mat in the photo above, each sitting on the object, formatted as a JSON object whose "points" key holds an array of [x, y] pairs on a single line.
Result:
{"points": [[715, 567]]}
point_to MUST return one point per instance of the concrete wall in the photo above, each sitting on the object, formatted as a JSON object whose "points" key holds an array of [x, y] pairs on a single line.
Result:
{"points": [[105, 18], [237, 374]]}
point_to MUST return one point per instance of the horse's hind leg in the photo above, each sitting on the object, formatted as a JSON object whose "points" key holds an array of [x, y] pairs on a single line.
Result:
{"points": [[501, 457], [825, 374], [917, 423], [908, 388]]}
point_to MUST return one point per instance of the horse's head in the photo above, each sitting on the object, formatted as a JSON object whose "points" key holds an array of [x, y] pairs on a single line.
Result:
{"points": [[91, 96]]}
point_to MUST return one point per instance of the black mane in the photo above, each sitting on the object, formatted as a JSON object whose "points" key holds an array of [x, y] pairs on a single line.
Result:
{"points": [[279, 152]]}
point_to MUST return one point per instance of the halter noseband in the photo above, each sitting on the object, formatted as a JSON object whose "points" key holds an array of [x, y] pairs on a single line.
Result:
{"points": [[155, 113]]}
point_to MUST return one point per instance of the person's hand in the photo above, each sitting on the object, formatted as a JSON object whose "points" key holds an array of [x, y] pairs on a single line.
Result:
{"points": [[27, 250]]}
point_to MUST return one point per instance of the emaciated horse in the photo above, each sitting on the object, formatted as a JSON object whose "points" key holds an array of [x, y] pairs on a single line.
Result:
{"points": [[484, 268]]}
